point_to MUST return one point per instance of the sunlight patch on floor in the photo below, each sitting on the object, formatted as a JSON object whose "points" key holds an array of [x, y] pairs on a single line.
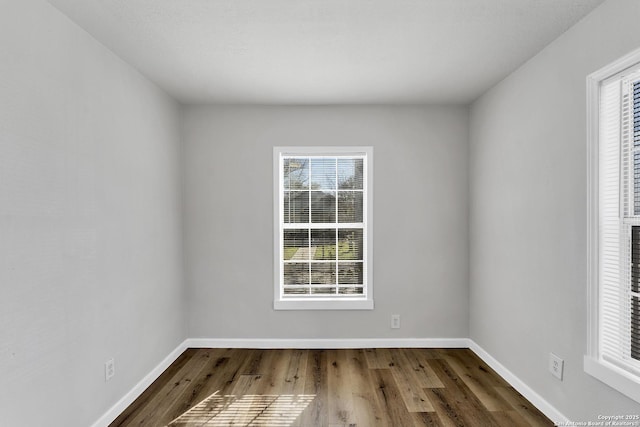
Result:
{"points": [[246, 410]]}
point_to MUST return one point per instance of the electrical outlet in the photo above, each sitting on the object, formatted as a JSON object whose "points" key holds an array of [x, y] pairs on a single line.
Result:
{"points": [[109, 369], [556, 366], [395, 321]]}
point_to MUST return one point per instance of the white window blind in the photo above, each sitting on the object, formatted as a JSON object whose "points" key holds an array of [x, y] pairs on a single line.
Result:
{"points": [[619, 222], [322, 243], [614, 317], [611, 298]]}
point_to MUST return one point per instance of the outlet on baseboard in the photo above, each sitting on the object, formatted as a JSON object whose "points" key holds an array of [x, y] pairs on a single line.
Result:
{"points": [[556, 366], [395, 321], [109, 369]]}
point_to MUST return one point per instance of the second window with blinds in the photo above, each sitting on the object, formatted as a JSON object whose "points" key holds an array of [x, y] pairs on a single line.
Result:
{"points": [[322, 228], [614, 225]]}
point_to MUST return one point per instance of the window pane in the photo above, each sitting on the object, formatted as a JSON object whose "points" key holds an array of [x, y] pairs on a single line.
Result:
{"points": [[323, 244], [350, 244], [296, 207], [323, 206], [636, 143], [323, 273], [323, 174], [296, 245], [350, 172], [350, 206], [296, 273], [352, 290], [327, 291], [350, 273], [296, 173], [295, 291], [636, 183], [635, 328]]}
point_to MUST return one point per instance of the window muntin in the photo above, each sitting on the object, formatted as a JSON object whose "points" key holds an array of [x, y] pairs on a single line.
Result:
{"points": [[323, 221]]}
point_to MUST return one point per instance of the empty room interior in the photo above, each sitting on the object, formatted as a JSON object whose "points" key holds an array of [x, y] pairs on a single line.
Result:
{"points": [[188, 186]]}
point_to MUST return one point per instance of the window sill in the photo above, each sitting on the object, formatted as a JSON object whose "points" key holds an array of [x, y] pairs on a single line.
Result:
{"points": [[326, 304], [616, 378]]}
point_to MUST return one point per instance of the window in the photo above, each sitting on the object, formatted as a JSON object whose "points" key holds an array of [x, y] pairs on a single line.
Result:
{"points": [[323, 219], [614, 225]]}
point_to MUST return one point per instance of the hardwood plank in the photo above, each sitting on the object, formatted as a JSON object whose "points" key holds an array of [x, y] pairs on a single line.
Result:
{"points": [[201, 413], [245, 406], [480, 381], [426, 419], [379, 358], [273, 370], [315, 384], [447, 408], [410, 386], [366, 408], [219, 407], [252, 362], [154, 411], [155, 388], [456, 401], [214, 377], [340, 402], [390, 399], [295, 374], [509, 419], [468, 360], [529, 412], [419, 361]]}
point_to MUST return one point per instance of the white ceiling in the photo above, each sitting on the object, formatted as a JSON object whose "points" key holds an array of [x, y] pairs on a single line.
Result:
{"points": [[325, 51]]}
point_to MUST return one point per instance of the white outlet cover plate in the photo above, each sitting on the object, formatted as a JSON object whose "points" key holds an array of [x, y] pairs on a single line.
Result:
{"points": [[556, 366], [395, 321], [109, 369]]}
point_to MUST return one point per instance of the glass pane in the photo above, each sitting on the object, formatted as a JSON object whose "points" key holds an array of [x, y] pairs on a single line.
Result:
{"points": [[323, 273], [636, 113], [323, 290], [323, 206], [323, 174], [296, 173], [636, 143], [295, 291], [350, 206], [296, 273], [296, 207], [350, 244], [296, 245], [635, 258], [352, 290], [636, 183], [323, 244], [350, 172], [350, 273], [635, 328]]}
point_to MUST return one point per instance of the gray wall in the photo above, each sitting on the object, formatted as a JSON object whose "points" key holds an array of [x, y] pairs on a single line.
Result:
{"points": [[420, 219], [528, 213], [90, 252]]}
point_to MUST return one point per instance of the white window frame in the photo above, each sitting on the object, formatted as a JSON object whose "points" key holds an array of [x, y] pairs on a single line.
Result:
{"points": [[625, 380], [364, 302]]}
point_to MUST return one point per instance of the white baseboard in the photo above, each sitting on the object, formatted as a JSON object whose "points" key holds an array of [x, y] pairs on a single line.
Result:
{"points": [[328, 343], [137, 390], [538, 401]]}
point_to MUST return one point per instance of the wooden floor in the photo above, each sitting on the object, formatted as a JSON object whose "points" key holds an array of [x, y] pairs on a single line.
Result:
{"points": [[366, 387]]}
